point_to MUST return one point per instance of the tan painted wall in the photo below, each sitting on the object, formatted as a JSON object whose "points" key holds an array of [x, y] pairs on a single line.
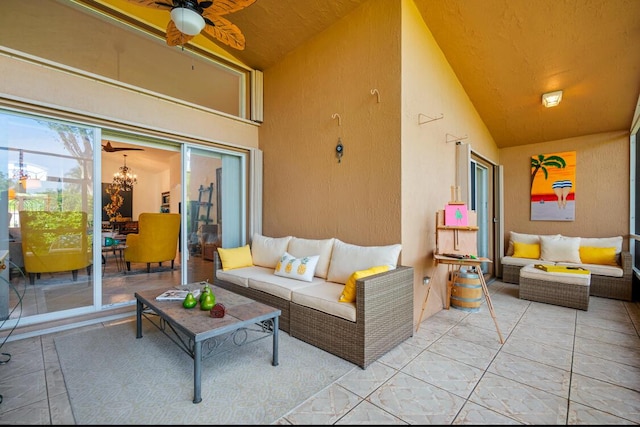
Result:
{"points": [[602, 187], [307, 193], [395, 174], [430, 87]]}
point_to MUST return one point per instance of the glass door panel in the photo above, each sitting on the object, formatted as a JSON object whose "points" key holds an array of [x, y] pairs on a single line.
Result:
{"points": [[203, 214], [215, 208], [47, 201]]}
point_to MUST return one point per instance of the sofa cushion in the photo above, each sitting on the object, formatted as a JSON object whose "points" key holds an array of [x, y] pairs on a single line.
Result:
{"points": [[347, 258], [277, 286], [304, 247], [349, 292], [597, 269], [324, 297], [235, 257], [521, 262], [560, 248], [595, 255], [266, 251], [523, 238], [297, 268], [603, 242], [526, 250], [240, 276]]}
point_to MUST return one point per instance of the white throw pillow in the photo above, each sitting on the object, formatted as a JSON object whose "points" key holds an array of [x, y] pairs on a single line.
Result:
{"points": [[304, 247], [560, 248], [297, 268], [347, 258], [266, 251]]}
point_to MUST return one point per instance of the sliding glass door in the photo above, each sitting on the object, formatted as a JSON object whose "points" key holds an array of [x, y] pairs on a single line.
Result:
{"points": [[69, 213], [47, 210]]}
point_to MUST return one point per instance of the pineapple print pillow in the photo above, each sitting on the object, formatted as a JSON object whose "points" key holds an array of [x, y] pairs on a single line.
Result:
{"points": [[297, 268]]}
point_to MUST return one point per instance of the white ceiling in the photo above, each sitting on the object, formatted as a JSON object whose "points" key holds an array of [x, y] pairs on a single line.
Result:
{"points": [[506, 53]]}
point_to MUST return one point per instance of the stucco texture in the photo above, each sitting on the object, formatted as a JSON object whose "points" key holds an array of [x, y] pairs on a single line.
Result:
{"points": [[395, 173], [602, 187]]}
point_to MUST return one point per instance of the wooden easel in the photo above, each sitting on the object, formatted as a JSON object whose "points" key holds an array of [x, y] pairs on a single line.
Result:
{"points": [[458, 241]]}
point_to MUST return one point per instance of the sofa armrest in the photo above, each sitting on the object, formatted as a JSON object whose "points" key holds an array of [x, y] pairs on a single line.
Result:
{"points": [[385, 301], [627, 264]]}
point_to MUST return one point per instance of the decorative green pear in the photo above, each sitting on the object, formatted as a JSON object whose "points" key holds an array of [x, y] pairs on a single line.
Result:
{"points": [[208, 302], [189, 301], [206, 290]]}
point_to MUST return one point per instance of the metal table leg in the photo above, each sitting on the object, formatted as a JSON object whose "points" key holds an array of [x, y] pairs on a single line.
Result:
{"points": [[197, 371]]}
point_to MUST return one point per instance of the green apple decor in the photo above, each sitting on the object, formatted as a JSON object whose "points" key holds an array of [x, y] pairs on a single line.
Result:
{"points": [[189, 301]]}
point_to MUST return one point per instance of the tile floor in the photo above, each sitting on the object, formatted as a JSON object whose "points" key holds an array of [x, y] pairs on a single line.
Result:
{"points": [[557, 366]]}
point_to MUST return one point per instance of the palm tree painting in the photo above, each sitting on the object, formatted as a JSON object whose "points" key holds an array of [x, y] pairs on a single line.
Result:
{"points": [[553, 186]]}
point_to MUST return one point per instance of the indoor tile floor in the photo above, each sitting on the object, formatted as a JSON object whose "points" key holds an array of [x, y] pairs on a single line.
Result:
{"points": [[557, 366]]}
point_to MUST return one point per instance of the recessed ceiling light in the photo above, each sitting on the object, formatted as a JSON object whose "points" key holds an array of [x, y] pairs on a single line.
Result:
{"points": [[551, 99]]}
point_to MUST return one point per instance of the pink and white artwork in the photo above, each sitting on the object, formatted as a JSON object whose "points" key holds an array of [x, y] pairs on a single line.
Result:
{"points": [[456, 215]]}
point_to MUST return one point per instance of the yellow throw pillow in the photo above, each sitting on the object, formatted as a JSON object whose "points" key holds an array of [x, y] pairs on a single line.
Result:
{"points": [[349, 291], [235, 257], [593, 255], [526, 250]]}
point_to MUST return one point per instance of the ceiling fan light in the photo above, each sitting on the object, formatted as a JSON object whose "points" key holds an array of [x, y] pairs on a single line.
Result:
{"points": [[551, 99], [187, 21]]}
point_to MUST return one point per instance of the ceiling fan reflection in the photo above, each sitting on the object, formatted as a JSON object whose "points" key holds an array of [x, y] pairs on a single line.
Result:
{"points": [[111, 149]]}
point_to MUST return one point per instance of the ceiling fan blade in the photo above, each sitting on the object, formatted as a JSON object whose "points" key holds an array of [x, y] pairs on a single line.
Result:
{"points": [[226, 32], [175, 37], [224, 7]]}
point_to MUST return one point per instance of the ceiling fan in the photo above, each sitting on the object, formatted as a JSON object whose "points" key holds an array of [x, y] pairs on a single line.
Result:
{"points": [[111, 149], [190, 17]]}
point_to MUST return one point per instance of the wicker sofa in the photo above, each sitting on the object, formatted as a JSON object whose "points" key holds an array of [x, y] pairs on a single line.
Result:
{"points": [[380, 318], [611, 273]]}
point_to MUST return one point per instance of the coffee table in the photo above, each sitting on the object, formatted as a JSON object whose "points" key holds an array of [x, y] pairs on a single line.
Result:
{"points": [[567, 289], [189, 329]]}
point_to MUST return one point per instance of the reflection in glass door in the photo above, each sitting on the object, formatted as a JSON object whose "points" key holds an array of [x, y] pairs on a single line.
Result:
{"points": [[46, 204], [479, 203], [203, 218], [214, 193]]}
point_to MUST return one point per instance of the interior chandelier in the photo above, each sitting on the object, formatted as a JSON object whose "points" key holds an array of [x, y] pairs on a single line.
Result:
{"points": [[124, 178]]}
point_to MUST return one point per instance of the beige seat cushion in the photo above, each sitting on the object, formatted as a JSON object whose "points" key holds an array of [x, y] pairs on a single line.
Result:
{"points": [[240, 276], [521, 262], [278, 286], [530, 272], [324, 297]]}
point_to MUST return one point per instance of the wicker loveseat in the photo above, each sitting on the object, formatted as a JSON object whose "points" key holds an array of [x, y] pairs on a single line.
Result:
{"points": [[380, 318], [610, 266]]}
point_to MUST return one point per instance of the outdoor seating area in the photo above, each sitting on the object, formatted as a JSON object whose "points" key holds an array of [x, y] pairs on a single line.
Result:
{"points": [[609, 265], [330, 293]]}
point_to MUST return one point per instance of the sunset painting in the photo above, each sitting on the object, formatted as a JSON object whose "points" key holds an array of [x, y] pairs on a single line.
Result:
{"points": [[553, 186]]}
